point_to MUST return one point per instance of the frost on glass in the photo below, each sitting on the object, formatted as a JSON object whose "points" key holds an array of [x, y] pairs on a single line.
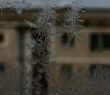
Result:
{"points": [[14, 4], [42, 35], [35, 74], [38, 51]]}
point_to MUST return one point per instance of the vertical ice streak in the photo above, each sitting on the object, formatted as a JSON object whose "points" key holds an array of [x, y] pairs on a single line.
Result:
{"points": [[72, 18], [25, 65], [42, 35]]}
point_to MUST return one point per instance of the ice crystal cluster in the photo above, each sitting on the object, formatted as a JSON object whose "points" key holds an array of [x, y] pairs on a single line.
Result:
{"points": [[38, 54], [17, 4], [43, 33]]}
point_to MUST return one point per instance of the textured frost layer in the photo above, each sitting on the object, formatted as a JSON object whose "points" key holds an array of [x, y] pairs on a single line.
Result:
{"points": [[14, 4], [31, 3]]}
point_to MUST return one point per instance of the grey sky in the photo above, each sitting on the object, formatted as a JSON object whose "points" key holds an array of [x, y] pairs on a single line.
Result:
{"points": [[96, 3], [60, 3], [87, 3]]}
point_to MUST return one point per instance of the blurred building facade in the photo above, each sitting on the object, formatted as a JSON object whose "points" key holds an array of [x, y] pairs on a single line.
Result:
{"points": [[13, 32], [80, 66]]}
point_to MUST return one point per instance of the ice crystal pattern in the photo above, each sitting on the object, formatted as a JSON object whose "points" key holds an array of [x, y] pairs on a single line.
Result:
{"points": [[43, 31]]}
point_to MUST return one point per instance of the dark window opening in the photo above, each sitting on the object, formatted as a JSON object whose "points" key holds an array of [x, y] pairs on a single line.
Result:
{"points": [[2, 67], [106, 41], [1, 37], [101, 23], [99, 41], [93, 42], [66, 71], [66, 40], [100, 71], [86, 23]]}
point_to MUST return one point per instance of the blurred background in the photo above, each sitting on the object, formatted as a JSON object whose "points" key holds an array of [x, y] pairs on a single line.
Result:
{"points": [[80, 66]]}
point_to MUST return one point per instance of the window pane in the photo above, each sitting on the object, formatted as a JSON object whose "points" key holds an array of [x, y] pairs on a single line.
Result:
{"points": [[1, 37], [100, 41], [106, 41], [100, 71], [66, 71], [94, 41], [2, 67]]}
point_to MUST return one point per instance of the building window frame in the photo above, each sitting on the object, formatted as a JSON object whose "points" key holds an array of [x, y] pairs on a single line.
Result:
{"points": [[99, 71], [2, 67], [66, 71], [5, 41], [99, 41]]}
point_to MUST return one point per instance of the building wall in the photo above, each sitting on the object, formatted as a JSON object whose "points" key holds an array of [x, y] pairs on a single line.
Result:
{"points": [[79, 69], [73, 70], [11, 50], [9, 60]]}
